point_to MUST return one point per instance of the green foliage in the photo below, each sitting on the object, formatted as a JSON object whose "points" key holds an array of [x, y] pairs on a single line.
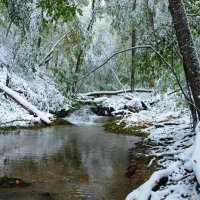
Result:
{"points": [[96, 45], [59, 9], [60, 122], [192, 7], [64, 83]]}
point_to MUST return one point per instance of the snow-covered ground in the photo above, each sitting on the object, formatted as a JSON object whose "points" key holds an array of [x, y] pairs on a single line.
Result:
{"points": [[172, 147], [171, 143]]}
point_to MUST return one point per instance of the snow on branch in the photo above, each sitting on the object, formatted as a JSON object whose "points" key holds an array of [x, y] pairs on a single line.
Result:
{"points": [[48, 55], [98, 93], [145, 190], [24, 103]]}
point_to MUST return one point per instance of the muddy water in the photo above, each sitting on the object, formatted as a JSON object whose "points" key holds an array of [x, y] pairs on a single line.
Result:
{"points": [[79, 162]]}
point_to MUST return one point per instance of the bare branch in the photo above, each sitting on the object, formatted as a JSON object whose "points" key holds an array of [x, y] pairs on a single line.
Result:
{"points": [[117, 78], [48, 56], [138, 47], [193, 15]]}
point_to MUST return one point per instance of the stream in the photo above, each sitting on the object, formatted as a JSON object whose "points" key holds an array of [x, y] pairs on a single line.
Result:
{"points": [[66, 163]]}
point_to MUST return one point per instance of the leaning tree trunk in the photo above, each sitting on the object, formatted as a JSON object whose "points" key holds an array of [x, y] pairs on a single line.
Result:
{"points": [[187, 49], [81, 54]]}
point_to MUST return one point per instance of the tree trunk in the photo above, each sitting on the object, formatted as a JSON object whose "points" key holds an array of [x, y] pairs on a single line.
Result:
{"points": [[79, 61], [133, 37], [133, 61], [81, 54], [187, 49]]}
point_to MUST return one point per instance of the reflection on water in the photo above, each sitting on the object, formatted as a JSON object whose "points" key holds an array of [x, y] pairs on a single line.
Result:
{"points": [[66, 163]]}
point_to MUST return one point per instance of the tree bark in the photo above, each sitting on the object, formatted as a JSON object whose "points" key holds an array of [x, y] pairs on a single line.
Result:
{"points": [[79, 61], [133, 37], [187, 49]]}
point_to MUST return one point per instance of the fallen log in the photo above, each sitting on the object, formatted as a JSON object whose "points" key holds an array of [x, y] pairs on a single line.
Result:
{"points": [[24, 103], [99, 93]]}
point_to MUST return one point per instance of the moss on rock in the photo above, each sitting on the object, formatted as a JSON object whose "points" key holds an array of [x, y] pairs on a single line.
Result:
{"points": [[60, 122], [115, 127]]}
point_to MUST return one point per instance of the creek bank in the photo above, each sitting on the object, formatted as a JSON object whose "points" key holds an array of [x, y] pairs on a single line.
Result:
{"points": [[159, 162], [34, 125], [138, 170], [16, 118], [139, 158]]}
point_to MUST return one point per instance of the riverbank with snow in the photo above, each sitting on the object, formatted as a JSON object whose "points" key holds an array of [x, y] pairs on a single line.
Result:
{"points": [[170, 143], [38, 94], [170, 140]]}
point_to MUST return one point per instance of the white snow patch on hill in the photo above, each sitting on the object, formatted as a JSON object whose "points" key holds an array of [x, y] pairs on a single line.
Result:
{"points": [[37, 91]]}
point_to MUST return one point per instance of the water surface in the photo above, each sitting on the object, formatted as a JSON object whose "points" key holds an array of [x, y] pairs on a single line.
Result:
{"points": [[61, 163]]}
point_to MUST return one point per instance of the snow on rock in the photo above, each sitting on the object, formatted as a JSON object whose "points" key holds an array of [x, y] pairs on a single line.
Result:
{"points": [[140, 108], [161, 109], [118, 104]]}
